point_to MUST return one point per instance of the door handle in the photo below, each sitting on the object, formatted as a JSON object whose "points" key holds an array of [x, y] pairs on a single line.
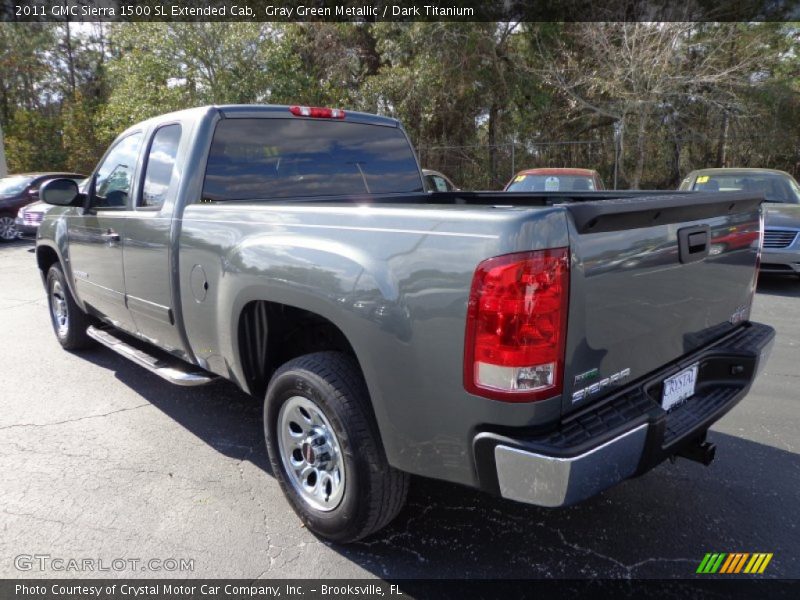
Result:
{"points": [[110, 236]]}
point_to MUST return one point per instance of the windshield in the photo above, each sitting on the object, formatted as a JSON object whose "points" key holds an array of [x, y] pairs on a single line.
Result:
{"points": [[551, 183], [776, 188], [13, 185], [282, 158]]}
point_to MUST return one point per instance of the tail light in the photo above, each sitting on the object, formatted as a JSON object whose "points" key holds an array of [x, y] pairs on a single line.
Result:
{"points": [[316, 112], [517, 325]]}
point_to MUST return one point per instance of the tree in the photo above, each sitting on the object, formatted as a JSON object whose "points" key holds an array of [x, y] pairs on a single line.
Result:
{"points": [[158, 67], [641, 74], [36, 142], [681, 95]]}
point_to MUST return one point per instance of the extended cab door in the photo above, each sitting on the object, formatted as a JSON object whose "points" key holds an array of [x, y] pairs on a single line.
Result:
{"points": [[95, 238], [147, 256]]}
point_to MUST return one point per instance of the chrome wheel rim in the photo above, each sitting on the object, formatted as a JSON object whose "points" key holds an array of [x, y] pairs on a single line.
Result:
{"points": [[8, 230], [58, 309], [311, 454]]}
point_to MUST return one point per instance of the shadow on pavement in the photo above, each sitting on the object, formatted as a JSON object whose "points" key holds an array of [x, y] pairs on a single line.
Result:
{"points": [[18, 243], [779, 285], [220, 414], [658, 525]]}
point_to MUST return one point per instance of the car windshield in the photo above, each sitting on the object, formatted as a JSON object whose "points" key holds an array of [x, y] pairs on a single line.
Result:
{"points": [[776, 188], [13, 185], [551, 183]]}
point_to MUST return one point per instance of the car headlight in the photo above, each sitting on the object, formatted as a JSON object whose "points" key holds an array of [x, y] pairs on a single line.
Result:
{"points": [[21, 212]]}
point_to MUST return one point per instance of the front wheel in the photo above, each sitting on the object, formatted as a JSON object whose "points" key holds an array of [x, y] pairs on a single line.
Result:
{"points": [[8, 229], [69, 321], [325, 449]]}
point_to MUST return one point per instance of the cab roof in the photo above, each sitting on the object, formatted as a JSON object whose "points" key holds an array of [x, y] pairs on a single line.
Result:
{"points": [[264, 111]]}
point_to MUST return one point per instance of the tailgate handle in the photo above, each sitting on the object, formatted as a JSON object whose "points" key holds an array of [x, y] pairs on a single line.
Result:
{"points": [[693, 243], [697, 242]]}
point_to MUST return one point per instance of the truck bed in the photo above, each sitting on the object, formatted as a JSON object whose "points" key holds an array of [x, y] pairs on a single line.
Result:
{"points": [[394, 273]]}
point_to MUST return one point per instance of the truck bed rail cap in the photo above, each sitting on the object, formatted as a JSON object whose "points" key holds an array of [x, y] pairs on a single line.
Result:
{"points": [[644, 211]]}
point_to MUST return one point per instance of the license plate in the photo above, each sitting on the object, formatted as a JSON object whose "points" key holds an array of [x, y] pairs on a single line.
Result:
{"points": [[679, 387]]}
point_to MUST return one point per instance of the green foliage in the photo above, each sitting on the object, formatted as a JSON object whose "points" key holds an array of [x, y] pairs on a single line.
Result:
{"points": [[478, 100], [33, 142], [82, 141]]}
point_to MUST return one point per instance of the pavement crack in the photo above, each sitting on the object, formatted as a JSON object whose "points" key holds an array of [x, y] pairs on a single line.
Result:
{"points": [[84, 418], [389, 540], [627, 569], [38, 518], [586, 550]]}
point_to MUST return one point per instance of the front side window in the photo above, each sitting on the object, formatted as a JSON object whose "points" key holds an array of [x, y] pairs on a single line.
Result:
{"points": [[159, 172], [113, 183], [253, 159]]}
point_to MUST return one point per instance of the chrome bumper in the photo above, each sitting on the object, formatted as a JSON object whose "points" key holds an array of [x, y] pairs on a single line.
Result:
{"points": [[545, 470], [550, 481]]}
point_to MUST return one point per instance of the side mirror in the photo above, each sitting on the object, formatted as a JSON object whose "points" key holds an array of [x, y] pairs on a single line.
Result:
{"points": [[60, 192]]}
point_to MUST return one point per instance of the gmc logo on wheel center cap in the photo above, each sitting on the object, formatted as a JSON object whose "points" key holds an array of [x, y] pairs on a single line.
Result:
{"points": [[308, 453]]}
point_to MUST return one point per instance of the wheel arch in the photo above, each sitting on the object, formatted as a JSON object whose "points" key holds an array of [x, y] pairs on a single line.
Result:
{"points": [[269, 334], [48, 255]]}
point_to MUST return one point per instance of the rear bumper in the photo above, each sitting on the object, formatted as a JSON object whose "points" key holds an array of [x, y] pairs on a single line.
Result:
{"points": [[625, 434]]}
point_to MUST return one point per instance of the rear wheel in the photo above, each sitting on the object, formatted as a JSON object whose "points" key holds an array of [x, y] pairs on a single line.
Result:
{"points": [[69, 321], [8, 229], [325, 449]]}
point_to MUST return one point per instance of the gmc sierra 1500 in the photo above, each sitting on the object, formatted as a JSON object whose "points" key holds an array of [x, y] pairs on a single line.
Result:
{"points": [[539, 346]]}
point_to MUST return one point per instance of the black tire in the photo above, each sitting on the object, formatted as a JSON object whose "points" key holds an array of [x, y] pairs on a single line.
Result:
{"points": [[71, 331], [373, 492]]}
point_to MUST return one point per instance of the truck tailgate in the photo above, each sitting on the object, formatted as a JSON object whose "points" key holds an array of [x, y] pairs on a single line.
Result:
{"points": [[653, 279]]}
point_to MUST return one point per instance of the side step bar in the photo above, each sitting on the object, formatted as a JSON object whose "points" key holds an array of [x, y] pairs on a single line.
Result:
{"points": [[173, 370]]}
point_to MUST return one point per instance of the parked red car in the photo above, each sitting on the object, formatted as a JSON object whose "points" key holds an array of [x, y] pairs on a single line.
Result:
{"points": [[555, 180]]}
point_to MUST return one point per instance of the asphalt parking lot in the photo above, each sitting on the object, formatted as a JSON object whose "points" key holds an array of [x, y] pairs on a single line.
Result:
{"points": [[102, 460]]}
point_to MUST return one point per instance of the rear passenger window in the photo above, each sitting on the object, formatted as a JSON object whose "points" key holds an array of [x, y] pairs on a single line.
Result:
{"points": [[159, 172]]}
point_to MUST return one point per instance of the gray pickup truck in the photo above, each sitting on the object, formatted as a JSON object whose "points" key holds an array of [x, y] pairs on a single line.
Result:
{"points": [[539, 346]]}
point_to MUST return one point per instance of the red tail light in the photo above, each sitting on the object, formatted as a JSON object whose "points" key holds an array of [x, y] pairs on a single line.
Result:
{"points": [[517, 325], [315, 112]]}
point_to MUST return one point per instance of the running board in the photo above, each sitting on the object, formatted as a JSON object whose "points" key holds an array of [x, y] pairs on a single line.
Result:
{"points": [[173, 370]]}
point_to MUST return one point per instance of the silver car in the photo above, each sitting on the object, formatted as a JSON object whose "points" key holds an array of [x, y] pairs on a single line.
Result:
{"points": [[437, 182], [781, 250], [30, 217]]}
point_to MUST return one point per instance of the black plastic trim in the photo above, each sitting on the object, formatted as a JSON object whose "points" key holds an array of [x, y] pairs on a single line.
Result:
{"points": [[647, 210]]}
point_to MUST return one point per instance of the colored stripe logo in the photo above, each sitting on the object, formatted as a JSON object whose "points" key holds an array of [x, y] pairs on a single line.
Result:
{"points": [[735, 562]]}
